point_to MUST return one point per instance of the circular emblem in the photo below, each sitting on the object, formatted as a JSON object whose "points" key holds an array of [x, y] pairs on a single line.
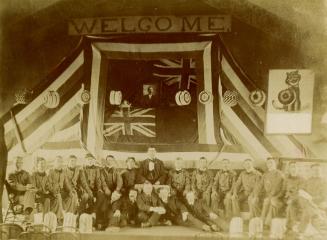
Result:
{"points": [[231, 98], [205, 97], [51, 99], [257, 97], [286, 96], [85, 97]]}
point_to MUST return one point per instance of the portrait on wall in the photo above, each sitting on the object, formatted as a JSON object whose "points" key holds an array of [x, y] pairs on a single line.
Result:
{"points": [[150, 95], [290, 101]]}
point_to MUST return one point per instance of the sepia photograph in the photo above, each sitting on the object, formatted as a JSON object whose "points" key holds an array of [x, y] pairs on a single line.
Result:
{"points": [[170, 120]]}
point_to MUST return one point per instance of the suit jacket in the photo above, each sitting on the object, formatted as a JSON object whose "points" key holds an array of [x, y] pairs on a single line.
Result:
{"points": [[110, 179], [129, 177], [174, 207], [158, 174], [41, 182], [144, 202], [19, 180], [200, 210]]}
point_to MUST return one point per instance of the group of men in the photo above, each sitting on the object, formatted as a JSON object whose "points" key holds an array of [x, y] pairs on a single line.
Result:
{"points": [[200, 198]]}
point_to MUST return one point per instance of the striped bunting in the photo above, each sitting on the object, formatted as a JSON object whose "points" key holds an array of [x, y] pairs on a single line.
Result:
{"points": [[38, 123], [233, 77]]}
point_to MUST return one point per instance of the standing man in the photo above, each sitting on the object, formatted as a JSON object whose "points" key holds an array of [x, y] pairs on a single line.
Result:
{"points": [[179, 179], [21, 184], [202, 181], [150, 208], [72, 175], [40, 182], [152, 169], [109, 191], [291, 187], [272, 184], [223, 183], [246, 189]]}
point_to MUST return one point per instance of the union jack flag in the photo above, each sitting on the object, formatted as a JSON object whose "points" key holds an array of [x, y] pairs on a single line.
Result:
{"points": [[180, 71], [139, 121]]}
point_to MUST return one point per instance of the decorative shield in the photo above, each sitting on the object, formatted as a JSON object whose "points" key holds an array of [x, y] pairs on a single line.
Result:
{"points": [[23, 96], [205, 97], [52, 99], [231, 98], [286, 96], [257, 97]]}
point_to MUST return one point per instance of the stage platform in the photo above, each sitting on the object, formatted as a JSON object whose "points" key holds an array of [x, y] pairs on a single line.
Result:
{"points": [[160, 233]]}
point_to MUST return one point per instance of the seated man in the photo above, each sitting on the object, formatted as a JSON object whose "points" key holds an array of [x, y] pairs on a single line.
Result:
{"points": [[40, 182], [313, 198], [177, 213], [109, 191], [21, 184], [56, 185], [272, 184], [223, 183], [202, 180], [291, 187], [179, 179], [205, 214], [246, 189], [150, 208], [152, 169], [89, 185], [70, 198], [129, 176], [124, 211]]}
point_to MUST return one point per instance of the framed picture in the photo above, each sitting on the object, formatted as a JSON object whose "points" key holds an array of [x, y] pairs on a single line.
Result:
{"points": [[290, 102]]}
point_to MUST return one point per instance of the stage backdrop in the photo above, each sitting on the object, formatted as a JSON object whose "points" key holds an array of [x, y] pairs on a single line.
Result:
{"points": [[149, 112]]}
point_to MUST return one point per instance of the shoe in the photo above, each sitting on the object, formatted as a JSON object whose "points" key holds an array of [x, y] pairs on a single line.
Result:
{"points": [[214, 228], [206, 228], [145, 225], [112, 229], [168, 223]]}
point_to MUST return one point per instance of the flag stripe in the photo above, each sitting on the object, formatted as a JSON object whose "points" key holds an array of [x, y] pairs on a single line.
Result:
{"points": [[55, 85], [286, 145], [46, 130], [43, 113]]}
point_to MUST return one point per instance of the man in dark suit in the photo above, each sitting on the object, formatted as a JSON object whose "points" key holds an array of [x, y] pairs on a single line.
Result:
{"points": [[152, 169], [150, 99]]}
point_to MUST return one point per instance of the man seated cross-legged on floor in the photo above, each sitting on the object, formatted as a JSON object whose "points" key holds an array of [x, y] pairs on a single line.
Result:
{"points": [[124, 211], [150, 207]]}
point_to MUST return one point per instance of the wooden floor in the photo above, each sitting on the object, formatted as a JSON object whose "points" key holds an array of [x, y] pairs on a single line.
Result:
{"points": [[170, 233]]}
